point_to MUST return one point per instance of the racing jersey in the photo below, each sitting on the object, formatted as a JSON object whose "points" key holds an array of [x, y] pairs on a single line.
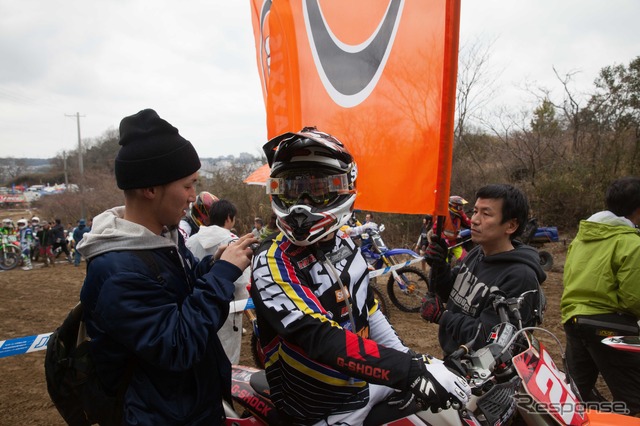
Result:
{"points": [[322, 345], [452, 225]]}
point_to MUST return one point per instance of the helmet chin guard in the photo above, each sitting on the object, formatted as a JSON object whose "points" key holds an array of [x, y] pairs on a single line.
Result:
{"points": [[305, 225]]}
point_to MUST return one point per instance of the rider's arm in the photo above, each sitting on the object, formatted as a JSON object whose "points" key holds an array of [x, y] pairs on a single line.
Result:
{"points": [[628, 276], [358, 230], [442, 279], [298, 318], [381, 331]]}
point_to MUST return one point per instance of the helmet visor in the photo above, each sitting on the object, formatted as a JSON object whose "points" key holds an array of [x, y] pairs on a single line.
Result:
{"points": [[320, 189]]}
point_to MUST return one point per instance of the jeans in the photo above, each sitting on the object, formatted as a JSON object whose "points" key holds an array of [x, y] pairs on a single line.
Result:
{"points": [[77, 257]]}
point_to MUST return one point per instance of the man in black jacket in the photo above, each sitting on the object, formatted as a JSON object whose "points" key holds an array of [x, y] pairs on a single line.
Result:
{"points": [[59, 240], [463, 301]]}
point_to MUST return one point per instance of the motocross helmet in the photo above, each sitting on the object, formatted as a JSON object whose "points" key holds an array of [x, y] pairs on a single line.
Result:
{"points": [[7, 223], [21, 223], [199, 209], [312, 184], [455, 204], [35, 220]]}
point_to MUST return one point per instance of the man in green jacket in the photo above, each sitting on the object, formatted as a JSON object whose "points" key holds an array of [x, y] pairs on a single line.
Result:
{"points": [[602, 295]]}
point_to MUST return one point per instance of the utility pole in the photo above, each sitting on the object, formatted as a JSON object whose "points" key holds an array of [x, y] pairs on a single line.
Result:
{"points": [[66, 178], [80, 166]]}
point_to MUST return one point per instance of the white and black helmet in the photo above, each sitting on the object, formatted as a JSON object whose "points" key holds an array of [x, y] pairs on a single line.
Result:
{"points": [[312, 184]]}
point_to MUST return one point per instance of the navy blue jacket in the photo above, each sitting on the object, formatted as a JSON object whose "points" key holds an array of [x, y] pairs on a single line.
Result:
{"points": [[159, 318]]}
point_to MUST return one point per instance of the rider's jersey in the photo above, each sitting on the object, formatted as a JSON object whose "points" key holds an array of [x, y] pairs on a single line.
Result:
{"points": [[187, 227], [26, 238], [317, 362]]}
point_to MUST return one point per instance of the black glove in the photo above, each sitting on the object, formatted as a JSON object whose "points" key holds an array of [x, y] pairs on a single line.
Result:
{"points": [[432, 308], [437, 252], [401, 399], [436, 385]]}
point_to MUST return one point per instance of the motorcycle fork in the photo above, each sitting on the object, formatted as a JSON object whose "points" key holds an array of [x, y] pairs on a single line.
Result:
{"points": [[399, 279]]}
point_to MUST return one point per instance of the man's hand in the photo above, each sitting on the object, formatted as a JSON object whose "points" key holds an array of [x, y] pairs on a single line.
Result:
{"points": [[401, 399], [432, 308], [437, 252], [238, 252], [436, 385]]}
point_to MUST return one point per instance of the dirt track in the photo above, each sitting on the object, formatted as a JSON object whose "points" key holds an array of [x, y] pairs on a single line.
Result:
{"points": [[37, 301]]}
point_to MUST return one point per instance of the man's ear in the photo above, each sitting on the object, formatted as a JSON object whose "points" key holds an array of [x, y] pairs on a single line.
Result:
{"points": [[149, 192], [512, 226]]}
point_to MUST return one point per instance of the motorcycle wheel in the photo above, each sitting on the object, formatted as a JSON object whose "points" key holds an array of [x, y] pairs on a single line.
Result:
{"points": [[409, 299], [382, 301], [10, 259], [546, 260]]}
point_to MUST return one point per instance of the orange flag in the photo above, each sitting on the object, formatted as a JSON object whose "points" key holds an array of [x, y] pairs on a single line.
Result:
{"points": [[379, 76]]}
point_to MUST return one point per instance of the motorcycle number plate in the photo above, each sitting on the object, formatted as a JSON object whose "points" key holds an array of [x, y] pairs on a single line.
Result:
{"points": [[545, 384]]}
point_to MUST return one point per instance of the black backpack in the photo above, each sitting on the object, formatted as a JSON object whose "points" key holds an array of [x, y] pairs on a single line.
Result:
{"points": [[72, 382]]}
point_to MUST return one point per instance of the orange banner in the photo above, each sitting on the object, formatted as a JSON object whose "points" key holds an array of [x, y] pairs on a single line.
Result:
{"points": [[380, 76]]}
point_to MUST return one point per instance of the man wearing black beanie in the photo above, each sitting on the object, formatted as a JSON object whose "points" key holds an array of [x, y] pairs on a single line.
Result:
{"points": [[152, 310]]}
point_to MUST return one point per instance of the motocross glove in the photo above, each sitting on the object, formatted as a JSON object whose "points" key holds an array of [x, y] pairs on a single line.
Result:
{"points": [[437, 252], [432, 308], [401, 399], [436, 386]]}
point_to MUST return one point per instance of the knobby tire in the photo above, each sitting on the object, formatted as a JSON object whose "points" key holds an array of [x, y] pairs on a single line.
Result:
{"points": [[417, 286]]}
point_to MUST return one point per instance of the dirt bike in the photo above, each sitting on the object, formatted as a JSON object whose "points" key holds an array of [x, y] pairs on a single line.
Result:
{"points": [[537, 237], [406, 284], [514, 374], [10, 253]]}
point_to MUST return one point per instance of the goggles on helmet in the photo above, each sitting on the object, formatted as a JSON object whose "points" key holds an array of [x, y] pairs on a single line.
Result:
{"points": [[320, 189]]}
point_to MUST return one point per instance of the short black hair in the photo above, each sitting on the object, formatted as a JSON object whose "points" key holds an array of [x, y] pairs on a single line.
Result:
{"points": [[221, 210], [514, 206], [623, 196]]}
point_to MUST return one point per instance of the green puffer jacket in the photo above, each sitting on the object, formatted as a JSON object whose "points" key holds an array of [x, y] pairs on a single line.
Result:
{"points": [[602, 269]]}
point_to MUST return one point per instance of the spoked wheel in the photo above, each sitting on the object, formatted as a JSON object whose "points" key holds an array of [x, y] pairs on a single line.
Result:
{"points": [[10, 258], [407, 295], [382, 301]]}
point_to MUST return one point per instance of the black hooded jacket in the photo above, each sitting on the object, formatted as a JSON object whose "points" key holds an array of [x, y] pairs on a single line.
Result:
{"points": [[465, 289]]}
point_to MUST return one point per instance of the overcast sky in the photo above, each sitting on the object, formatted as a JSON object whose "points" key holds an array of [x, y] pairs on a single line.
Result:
{"points": [[194, 63]]}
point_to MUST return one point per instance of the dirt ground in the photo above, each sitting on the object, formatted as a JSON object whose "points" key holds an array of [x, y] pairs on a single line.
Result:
{"points": [[37, 301]]}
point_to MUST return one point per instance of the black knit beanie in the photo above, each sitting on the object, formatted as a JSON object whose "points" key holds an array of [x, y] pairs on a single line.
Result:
{"points": [[152, 152]]}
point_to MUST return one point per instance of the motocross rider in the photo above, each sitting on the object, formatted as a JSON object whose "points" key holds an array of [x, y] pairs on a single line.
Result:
{"points": [[331, 355], [498, 260], [197, 215], [453, 223]]}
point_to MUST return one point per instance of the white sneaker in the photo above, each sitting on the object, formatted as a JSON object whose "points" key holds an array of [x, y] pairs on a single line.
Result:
{"points": [[27, 268]]}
